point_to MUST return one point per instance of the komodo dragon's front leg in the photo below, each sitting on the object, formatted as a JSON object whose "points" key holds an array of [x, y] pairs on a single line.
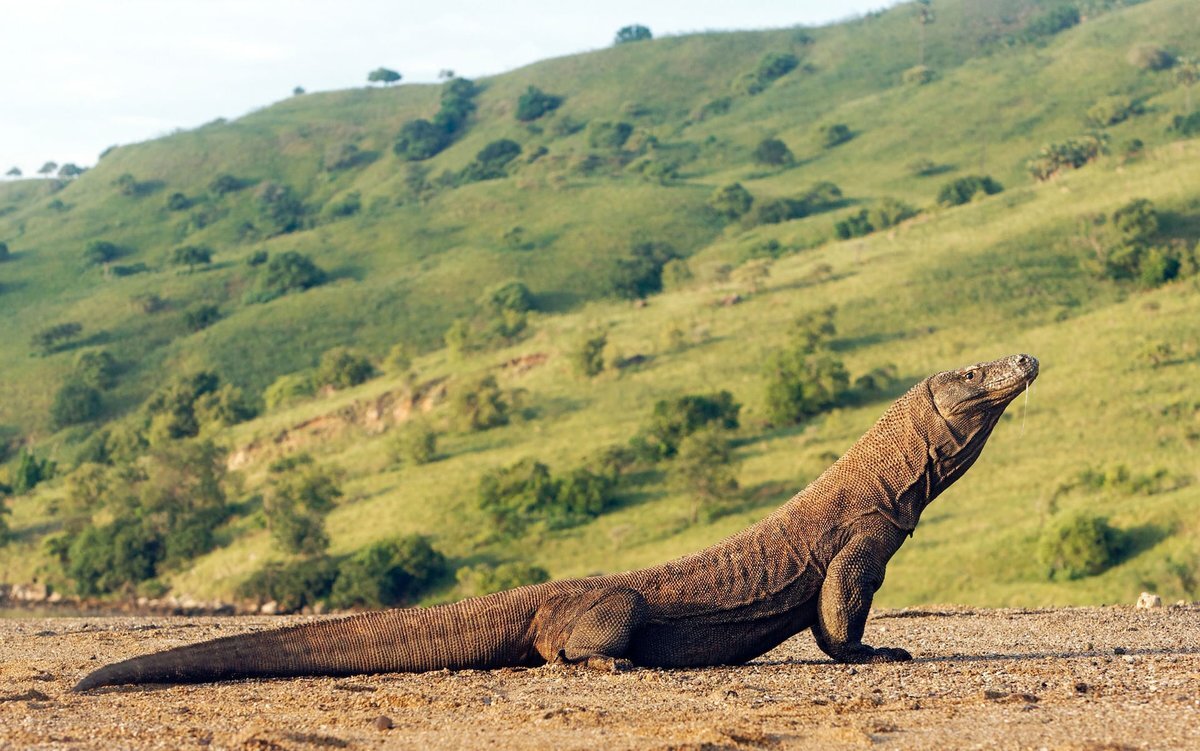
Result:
{"points": [[592, 627], [854, 575]]}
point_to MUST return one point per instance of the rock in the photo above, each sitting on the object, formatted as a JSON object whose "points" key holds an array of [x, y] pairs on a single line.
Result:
{"points": [[383, 722], [269, 608], [1149, 600], [1118, 650]]}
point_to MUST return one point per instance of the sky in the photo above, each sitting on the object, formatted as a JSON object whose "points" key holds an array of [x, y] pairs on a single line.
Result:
{"points": [[77, 76]]}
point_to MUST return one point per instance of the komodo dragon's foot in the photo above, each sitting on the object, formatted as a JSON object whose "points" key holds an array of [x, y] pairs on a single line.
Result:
{"points": [[605, 664], [867, 655]]}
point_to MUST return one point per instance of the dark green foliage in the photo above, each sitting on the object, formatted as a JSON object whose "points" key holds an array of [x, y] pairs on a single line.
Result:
{"points": [[535, 103], [281, 207], [1151, 57], [965, 189], [604, 134], [75, 403], [704, 469], [419, 139], [491, 161], [386, 574], [415, 443], [55, 338], [1052, 21], [458, 96], [99, 252], [226, 406], [200, 317], [348, 205], [178, 202], [771, 66], [639, 274], [191, 256], [385, 76], [632, 33], [112, 558], [477, 581], [1188, 125], [888, 213], [1070, 154], [731, 201], [802, 385], [582, 494], [180, 498], [855, 225], [224, 184], [292, 585], [1133, 248], [288, 272], [257, 258], [29, 471], [96, 368], [833, 134], [300, 495], [343, 367], [1081, 545], [172, 408], [774, 152], [344, 156], [1113, 110], [674, 419], [820, 197], [514, 296], [70, 171], [588, 356], [524, 493], [480, 405], [129, 186], [5, 253]]}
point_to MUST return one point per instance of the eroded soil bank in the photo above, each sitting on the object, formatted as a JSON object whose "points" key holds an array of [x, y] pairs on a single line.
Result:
{"points": [[1080, 678]]}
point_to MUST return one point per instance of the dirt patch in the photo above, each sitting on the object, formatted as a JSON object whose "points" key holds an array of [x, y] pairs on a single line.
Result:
{"points": [[1080, 678]]}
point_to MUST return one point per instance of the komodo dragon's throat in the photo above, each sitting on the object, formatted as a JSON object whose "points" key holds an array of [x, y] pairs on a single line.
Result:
{"points": [[814, 563]]}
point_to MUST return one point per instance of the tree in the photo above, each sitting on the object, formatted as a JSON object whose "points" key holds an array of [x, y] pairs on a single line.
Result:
{"points": [[76, 402], [480, 404], [385, 76], [588, 357], [834, 134], [300, 494], [178, 202], [200, 317], [640, 273], [298, 91], [343, 367], [288, 272], [419, 139], [30, 471], [97, 368], [801, 385], [704, 469], [172, 408], [534, 103], [774, 152], [53, 338], [388, 573], [225, 183], [675, 419], [964, 189], [415, 444], [48, 168], [99, 252], [633, 33], [191, 256], [14, 172], [514, 296], [731, 201], [70, 171]]}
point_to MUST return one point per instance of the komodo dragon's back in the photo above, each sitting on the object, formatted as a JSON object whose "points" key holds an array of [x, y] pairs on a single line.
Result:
{"points": [[815, 562]]}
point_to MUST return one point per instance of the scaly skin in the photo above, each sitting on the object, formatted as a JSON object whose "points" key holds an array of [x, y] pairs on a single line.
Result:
{"points": [[816, 563]]}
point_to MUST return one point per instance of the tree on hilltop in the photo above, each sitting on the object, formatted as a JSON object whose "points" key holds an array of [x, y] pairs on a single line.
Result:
{"points": [[633, 33], [385, 76], [14, 172], [48, 168]]}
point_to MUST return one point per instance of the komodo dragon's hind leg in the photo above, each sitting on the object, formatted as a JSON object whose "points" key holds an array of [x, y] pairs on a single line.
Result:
{"points": [[593, 627]]}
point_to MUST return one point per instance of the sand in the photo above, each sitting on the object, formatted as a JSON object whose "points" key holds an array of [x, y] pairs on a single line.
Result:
{"points": [[1080, 678]]}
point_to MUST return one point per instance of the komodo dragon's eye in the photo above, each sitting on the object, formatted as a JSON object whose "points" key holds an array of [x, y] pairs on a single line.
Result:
{"points": [[970, 375]]}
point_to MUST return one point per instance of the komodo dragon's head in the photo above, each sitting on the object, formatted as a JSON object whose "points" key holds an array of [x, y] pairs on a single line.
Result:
{"points": [[970, 401]]}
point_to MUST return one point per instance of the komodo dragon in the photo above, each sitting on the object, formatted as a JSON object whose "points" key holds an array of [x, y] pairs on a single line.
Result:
{"points": [[814, 563]]}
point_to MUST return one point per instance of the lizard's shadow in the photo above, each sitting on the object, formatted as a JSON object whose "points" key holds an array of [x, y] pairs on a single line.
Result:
{"points": [[993, 656]]}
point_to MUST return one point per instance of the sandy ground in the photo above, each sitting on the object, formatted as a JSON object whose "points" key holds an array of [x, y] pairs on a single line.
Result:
{"points": [[1089, 678]]}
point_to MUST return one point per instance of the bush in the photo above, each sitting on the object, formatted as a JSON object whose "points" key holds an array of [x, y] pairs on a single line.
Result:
{"points": [[639, 274], [348, 205], [288, 272], [525, 492], [386, 574], [477, 581], [76, 402], [172, 408], [97, 369], [289, 389], [281, 207], [855, 225], [1081, 545], [608, 135], [343, 367], [54, 338], [703, 469], [112, 558], [226, 406], [822, 196], [1052, 21], [802, 384], [1113, 110], [419, 140], [674, 419], [918, 75], [191, 256], [588, 356], [178, 202], [731, 201], [513, 296], [771, 66], [965, 189], [634, 33], [300, 495], [491, 161], [225, 183], [1186, 125], [773, 152], [293, 586], [833, 134], [1151, 57], [30, 471], [1070, 154], [415, 443], [200, 317], [480, 405], [535, 103], [99, 252]]}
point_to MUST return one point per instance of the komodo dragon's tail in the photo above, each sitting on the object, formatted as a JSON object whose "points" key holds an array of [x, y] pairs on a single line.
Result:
{"points": [[489, 632]]}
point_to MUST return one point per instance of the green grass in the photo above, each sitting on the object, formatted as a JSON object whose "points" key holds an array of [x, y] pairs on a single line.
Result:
{"points": [[950, 287]]}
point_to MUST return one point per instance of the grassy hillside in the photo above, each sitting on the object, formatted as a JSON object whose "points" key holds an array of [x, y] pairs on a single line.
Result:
{"points": [[951, 286]]}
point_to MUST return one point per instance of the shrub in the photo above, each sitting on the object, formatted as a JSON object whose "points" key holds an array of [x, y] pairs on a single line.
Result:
{"points": [[348, 205], [415, 443], [281, 207], [76, 402], [514, 296], [178, 202], [97, 369], [200, 317], [30, 471], [855, 225], [288, 272], [54, 338], [731, 201], [674, 419], [1186, 125], [112, 558], [1070, 154], [293, 586], [480, 580], [1081, 545], [525, 492], [918, 75], [225, 183], [288, 389], [1113, 110], [703, 469], [833, 134], [588, 356], [491, 161], [608, 135], [633, 33], [965, 189], [774, 152], [343, 367], [99, 252], [191, 256], [1151, 57], [226, 406], [257, 258], [822, 196], [300, 495], [480, 405], [1052, 21], [802, 384], [535, 103], [771, 66], [676, 273], [640, 273], [386, 574], [419, 140]]}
